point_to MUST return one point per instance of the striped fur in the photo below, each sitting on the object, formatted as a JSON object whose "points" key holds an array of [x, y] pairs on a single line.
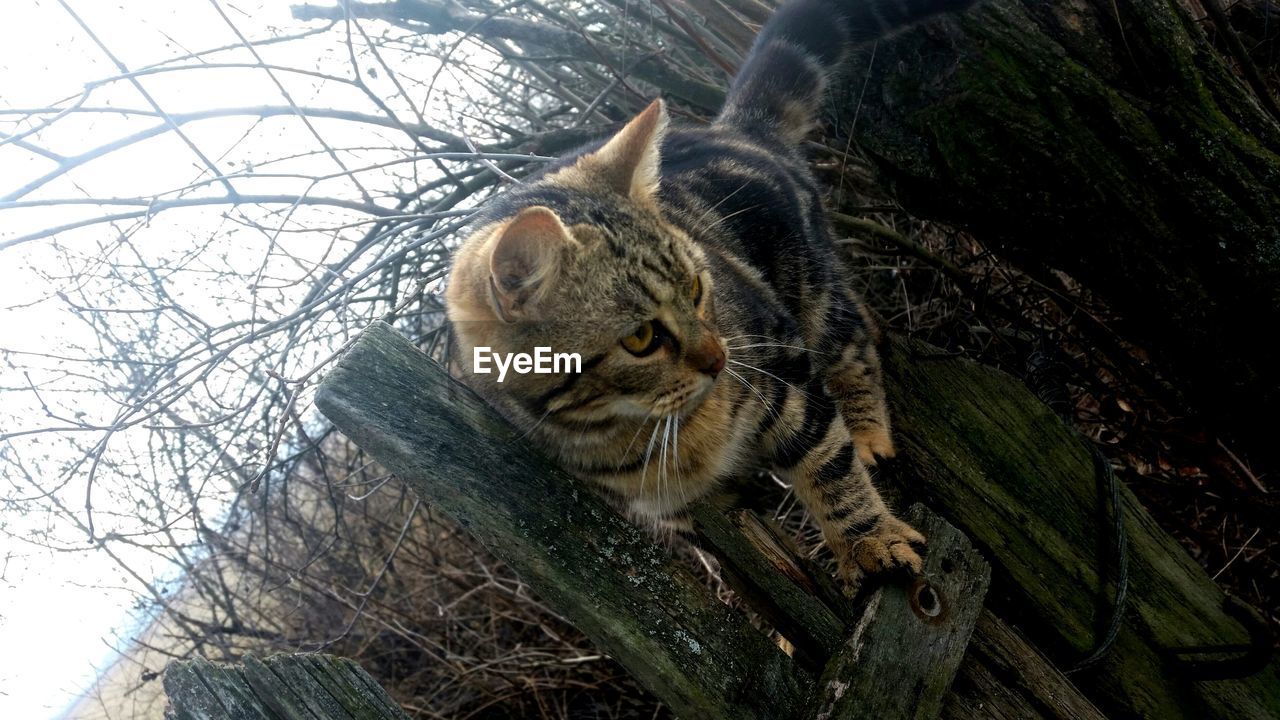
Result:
{"points": [[761, 358], [777, 91]]}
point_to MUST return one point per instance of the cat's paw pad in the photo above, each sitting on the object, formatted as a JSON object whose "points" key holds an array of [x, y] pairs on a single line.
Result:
{"points": [[872, 443], [890, 547]]}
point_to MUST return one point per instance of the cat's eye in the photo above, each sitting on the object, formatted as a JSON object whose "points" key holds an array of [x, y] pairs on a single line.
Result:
{"points": [[643, 341], [695, 291]]}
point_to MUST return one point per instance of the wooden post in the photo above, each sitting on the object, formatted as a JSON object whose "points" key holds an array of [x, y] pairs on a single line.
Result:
{"points": [[976, 446], [1001, 676], [905, 648]]}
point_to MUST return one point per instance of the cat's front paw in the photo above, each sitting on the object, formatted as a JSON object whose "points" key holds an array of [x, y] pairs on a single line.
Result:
{"points": [[873, 442], [891, 546]]}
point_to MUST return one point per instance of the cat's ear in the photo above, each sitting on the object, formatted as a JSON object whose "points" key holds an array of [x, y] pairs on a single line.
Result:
{"points": [[525, 261], [630, 162]]}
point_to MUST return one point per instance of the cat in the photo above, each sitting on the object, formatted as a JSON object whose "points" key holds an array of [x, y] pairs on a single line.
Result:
{"points": [[693, 272]]}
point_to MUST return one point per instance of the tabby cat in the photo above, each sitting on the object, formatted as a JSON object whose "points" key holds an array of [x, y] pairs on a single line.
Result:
{"points": [[694, 272]]}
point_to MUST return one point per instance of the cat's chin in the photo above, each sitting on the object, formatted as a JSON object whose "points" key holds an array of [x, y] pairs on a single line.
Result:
{"points": [[696, 401]]}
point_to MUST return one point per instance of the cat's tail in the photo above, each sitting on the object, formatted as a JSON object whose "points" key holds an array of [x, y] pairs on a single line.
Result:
{"points": [[778, 89]]}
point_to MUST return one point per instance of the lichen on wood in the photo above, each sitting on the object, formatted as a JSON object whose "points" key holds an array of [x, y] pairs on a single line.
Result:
{"points": [[282, 687]]}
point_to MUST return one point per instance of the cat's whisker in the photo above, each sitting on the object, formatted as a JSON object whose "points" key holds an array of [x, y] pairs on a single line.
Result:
{"points": [[738, 212], [769, 342], [662, 460], [720, 202], [663, 484], [675, 446], [529, 432], [775, 377], [644, 469], [639, 429], [768, 407], [675, 441], [774, 345], [746, 384]]}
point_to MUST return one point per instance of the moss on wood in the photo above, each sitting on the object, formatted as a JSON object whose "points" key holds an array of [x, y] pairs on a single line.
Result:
{"points": [[979, 448], [1111, 141]]}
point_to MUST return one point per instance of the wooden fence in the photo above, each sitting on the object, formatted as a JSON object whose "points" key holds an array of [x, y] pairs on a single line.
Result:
{"points": [[977, 448]]}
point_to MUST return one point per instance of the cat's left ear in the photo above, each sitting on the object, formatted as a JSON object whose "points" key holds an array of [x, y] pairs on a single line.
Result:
{"points": [[630, 162], [525, 261]]}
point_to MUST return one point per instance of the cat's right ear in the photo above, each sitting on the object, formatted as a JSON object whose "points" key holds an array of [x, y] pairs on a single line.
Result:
{"points": [[525, 261], [630, 163]]}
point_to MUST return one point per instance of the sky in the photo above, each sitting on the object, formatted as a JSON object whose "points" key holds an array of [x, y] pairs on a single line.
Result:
{"points": [[61, 613]]}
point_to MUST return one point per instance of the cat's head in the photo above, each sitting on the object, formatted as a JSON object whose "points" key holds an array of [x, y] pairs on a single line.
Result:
{"points": [[582, 261]]}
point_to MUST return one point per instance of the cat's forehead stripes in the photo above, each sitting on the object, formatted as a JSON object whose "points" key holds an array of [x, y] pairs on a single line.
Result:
{"points": [[639, 294]]}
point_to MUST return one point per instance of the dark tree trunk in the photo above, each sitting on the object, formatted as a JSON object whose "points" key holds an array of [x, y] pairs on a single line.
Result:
{"points": [[1110, 140]]}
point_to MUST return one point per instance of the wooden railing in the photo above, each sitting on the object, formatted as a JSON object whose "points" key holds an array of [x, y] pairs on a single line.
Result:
{"points": [[976, 447]]}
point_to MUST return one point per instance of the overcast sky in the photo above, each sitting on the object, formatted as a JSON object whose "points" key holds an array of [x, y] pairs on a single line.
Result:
{"points": [[60, 611]]}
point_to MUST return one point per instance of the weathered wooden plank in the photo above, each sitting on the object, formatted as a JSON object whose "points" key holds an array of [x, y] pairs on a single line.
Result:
{"points": [[768, 575], [1000, 678], [977, 692], [189, 697], [335, 676], [284, 687], [702, 658], [295, 671], [283, 699], [964, 430], [979, 448], [233, 692], [375, 692], [1004, 678], [902, 654]]}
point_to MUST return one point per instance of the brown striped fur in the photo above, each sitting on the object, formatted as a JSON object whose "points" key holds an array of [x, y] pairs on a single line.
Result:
{"points": [[768, 366]]}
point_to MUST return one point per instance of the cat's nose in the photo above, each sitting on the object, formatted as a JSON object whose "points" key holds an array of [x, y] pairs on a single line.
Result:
{"points": [[709, 358], [716, 365]]}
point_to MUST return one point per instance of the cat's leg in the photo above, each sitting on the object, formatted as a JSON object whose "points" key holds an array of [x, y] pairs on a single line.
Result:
{"points": [[833, 483], [855, 381]]}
